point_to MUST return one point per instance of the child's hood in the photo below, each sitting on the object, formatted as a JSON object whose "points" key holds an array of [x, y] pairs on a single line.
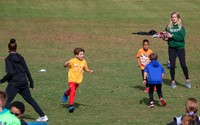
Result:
{"points": [[154, 63], [15, 57]]}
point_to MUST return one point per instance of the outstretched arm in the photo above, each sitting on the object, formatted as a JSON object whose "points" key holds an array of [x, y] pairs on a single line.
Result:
{"points": [[10, 72], [89, 71], [66, 64], [7, 77]]}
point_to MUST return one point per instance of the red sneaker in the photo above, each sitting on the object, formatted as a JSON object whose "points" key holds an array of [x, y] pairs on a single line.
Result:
{"points": [[155, 88], [163, 102], [146, 90]]}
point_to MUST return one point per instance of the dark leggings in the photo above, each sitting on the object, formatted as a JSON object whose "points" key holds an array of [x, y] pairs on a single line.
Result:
{"points": [[147, 84], [151, 90], [173, 53], [12, 91]]}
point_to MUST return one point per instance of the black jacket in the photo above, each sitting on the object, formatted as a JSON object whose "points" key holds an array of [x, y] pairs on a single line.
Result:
{"points": [[17, 71]]}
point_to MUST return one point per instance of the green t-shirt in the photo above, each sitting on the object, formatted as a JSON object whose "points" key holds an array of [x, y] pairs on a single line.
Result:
{"points": [[6, 118], [178, 37]]}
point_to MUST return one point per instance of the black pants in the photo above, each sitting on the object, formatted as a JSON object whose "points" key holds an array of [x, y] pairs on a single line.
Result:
{"points": [[173, 52], [12, 91], [151, 90], [147, 84]]}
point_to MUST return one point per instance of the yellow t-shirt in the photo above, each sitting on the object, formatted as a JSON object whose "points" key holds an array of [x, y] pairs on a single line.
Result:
{"points": [[77, 67], [144, 57]]}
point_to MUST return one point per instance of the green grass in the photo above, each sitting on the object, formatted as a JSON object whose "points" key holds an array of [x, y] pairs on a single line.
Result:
{"points": [[48, 31]]}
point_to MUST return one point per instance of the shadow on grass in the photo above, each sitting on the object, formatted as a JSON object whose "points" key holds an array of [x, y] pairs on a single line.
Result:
{"points": [[146, 101], [28, 117], [168, 82], [164, 65], [139, 87], [76, 105]]}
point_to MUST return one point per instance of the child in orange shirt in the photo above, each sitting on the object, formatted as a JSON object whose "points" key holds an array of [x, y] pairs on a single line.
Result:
{"points": [[143, 59], [76, 66]]}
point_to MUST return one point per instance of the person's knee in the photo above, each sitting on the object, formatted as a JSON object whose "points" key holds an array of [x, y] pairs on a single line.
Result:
{"points": [[183, 66]]}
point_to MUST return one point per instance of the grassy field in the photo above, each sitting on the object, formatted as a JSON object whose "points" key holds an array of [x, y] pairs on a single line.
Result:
{"points": [[47, 32]]}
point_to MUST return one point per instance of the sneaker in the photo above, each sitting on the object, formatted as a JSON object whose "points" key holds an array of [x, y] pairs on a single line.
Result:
{"points": [[173, 85], [188, 84], [163, 102], [155, 88], [151, 104], [146, 90], [42, 119], [71, 109], [64, 98]]}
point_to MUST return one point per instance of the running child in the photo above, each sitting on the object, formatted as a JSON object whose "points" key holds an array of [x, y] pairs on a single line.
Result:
{"points": [[154, 73], [143, 59], [77, 66]]}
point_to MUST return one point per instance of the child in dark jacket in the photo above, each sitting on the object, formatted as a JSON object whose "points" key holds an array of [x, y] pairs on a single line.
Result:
{"points": [[154, 73]]}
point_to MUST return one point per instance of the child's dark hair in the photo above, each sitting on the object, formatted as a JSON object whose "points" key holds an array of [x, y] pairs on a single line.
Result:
{"points": [[19, 105], [153, 56], [144, 41], [78, 50], [12, 45]]}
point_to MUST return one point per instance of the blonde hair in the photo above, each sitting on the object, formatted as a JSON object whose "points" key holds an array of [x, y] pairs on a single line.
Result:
{"points": [[170, 25], [191, 107]]}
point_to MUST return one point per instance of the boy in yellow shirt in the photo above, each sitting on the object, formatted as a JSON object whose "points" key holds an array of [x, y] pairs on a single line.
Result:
{"points": [[77, 66]]}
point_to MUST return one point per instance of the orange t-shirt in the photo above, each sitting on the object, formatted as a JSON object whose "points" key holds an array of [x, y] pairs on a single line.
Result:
{"points": [[144, 57]]}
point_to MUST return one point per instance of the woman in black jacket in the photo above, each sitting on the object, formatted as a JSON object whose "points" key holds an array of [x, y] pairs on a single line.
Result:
{"points": [[18, 77]]}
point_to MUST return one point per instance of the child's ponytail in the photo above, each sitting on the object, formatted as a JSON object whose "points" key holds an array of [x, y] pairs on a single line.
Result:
{"points": [[190, 120]]}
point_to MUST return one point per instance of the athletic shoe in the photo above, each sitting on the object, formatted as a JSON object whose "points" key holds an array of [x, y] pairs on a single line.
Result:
{"points": [[64, 98], [162, 102], [173, 85], [188, 84], [42, 119], [146, 90], [155, 88], [151, 104], [71, 109]]}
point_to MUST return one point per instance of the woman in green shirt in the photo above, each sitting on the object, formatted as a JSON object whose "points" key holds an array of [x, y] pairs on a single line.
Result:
{"points": [[176, 47]]}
